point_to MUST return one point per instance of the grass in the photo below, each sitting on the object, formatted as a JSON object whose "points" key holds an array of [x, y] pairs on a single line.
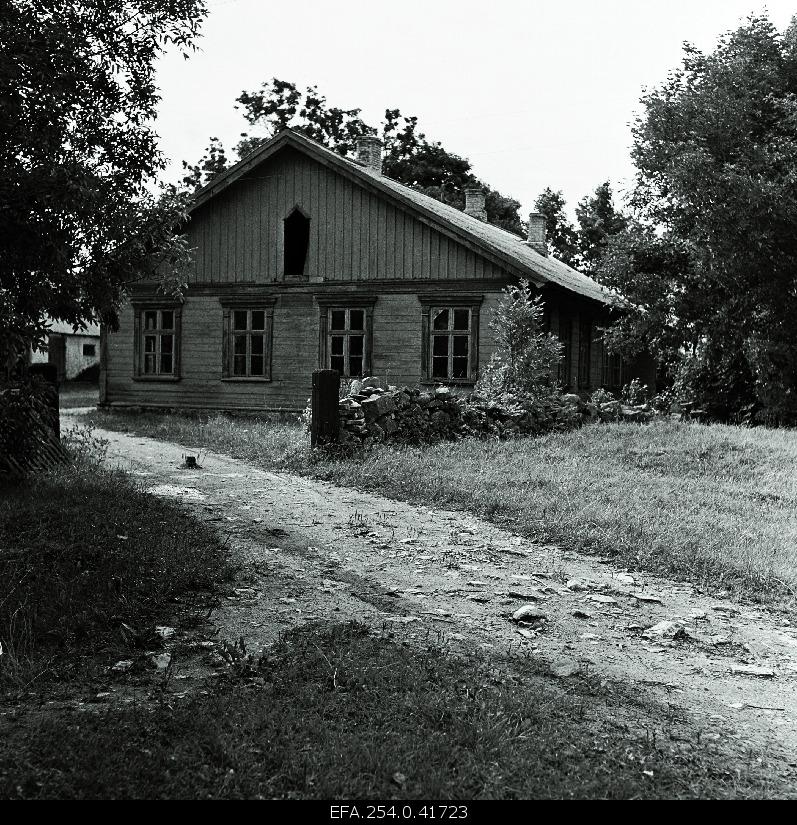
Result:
{"points": [[713, 505], [73, 394], [340, 713], [83, 549]]}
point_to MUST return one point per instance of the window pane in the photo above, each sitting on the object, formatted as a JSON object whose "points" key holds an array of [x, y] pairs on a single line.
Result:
{"points": [[355, 366], [461, 319], [257, 345], [257, 364], [338, 319], [440, 345], [240, 345], [336, 363], [167, 344], [441, 319], [356, 319], [149, 343], [258, 319], [149, 364], [460, 367], [440, 367], [337, 345], [239, 319], [460, 345], [239, 365], [167, 319], [166, 362], [355, 345]]}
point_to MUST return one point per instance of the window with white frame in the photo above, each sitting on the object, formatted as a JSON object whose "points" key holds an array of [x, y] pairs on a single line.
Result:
{"points": [[246, 350], [347, 330], [249, 343], [157, 340], [451, 342], [450, 339], [346, 334]]}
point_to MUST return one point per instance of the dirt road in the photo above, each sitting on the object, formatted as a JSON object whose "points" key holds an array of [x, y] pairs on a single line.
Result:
{"points": [[310, 550]]}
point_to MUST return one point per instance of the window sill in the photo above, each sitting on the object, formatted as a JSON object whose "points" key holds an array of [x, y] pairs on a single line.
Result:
{"points": [[157, 379], [242, 379]]}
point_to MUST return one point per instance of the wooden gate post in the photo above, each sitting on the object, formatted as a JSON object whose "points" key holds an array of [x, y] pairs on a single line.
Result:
{"points": [[325, 422]]}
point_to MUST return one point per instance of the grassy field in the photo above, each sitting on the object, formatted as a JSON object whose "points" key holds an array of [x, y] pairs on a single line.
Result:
{"points": [[341, 713], [713, 505]]}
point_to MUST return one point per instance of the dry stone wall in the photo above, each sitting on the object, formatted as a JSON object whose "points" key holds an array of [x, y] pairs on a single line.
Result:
{"points": [[372, 414]]}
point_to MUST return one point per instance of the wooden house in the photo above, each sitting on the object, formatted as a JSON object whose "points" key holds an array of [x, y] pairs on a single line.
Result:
{"points": [[306, 259]]}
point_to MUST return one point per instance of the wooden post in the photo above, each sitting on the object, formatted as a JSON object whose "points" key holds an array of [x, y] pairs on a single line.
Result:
{"points": [[325, 421]]}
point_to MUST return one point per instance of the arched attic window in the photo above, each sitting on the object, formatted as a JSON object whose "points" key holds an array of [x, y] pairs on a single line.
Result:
{"points": [[296, 240]]}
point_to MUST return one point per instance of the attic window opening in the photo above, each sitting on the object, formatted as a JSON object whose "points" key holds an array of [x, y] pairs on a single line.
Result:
{"points": [[297, 239]]}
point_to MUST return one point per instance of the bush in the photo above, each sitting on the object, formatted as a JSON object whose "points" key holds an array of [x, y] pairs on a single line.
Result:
{"points": [[635, 393], [526, 356]]}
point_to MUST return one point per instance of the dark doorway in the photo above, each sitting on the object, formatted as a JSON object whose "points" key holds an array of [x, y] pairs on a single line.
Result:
{"points": [[56, 353], [297, 239]]}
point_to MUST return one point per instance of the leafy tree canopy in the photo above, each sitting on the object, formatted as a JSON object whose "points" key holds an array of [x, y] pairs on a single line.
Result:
{"points": [[716, 154], [583, 245], [560, 233], [409, 157], [598, 220], [78, 220]]}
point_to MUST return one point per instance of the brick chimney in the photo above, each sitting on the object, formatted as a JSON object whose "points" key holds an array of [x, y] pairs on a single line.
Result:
{"points": [[537, 233], [474, 203], [369, 153]]}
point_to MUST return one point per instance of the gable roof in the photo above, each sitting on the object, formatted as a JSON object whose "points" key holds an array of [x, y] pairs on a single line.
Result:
{"points": [[495, 243]]}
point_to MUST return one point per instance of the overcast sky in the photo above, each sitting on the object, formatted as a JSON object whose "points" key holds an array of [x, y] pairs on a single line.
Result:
{"points": [[534, 93]]}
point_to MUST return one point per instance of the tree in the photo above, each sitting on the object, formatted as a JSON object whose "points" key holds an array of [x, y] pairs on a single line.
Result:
{"points": [[212, 163], [78, 220], [526, 355], [598, 220], [409, 157], [716, 156], [561, 235]]}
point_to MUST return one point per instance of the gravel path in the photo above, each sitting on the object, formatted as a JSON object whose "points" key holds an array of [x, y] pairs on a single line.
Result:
{"points": [[310, 550]]}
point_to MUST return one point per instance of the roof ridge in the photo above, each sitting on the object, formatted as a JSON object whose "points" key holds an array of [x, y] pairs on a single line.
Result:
{"points": [[493, 239]]}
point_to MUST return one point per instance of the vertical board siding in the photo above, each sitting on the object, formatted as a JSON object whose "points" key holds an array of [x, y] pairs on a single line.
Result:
{"points": [[355, 235]]}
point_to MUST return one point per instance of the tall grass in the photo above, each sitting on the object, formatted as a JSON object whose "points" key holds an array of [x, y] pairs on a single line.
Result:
{"points": [[714, 505]]}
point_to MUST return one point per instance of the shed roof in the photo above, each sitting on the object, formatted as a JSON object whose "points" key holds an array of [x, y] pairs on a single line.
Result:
{"points": [[497, 243]]}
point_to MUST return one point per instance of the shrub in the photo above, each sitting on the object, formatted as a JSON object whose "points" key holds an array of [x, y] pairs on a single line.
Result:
{"points": [[526, 356], [601, 396], [635, 393]]}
